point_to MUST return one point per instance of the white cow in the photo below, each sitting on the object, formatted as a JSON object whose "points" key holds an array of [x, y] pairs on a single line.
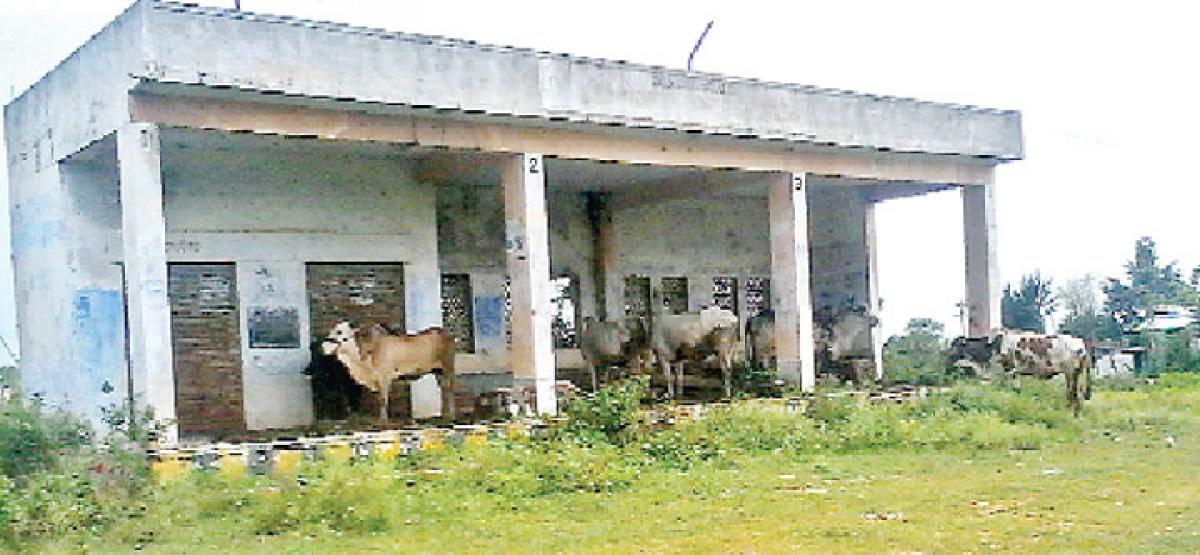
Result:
{"points": [[672, 333], [608, 344]]}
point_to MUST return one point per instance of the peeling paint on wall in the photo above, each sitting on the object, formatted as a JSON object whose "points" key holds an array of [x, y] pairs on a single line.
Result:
{"points": [[98, 339], [489, 316]]}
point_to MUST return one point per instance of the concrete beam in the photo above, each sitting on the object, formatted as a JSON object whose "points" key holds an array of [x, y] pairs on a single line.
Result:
{"points": [[144, 241], [787, 200], [527, 242], [982, 266], [191, 44], [631, 146]]}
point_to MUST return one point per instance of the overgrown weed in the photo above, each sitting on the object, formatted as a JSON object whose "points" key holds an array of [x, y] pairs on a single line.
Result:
{"points": [[601, 451]]}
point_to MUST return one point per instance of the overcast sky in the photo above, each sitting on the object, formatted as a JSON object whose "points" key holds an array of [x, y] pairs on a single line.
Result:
{"points": [[1107, 90]]}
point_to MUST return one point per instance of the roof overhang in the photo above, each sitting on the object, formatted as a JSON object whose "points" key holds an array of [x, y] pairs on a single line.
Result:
{"points": [[215, 47]]}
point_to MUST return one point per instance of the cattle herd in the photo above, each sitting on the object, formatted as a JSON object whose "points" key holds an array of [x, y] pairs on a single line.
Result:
{"points": [[669, 344]]}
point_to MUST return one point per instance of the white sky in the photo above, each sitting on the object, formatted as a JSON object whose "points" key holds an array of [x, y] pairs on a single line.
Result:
{"points": [[1108, 92]]}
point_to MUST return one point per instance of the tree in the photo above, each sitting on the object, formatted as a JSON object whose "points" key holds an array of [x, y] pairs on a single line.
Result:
{"points": [[1083, 311], [1146, 285], [1027, 306], [916, 357]]}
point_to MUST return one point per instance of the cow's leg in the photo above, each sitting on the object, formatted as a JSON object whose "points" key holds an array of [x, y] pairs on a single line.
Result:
{"points": [[1087, 377], [1072, 378], [727, 373], [593, 371], [384, 391], [665, 365], [679, 376], [449, 381]]}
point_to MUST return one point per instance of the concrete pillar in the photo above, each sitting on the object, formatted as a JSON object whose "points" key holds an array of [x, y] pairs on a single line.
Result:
{"points": [[527, 242], [601, 224], [873, 303], [143, 235], [787, 201], [982, 269]]}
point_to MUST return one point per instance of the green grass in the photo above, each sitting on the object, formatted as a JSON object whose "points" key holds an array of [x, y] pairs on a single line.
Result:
{"points": [[982, 468]]}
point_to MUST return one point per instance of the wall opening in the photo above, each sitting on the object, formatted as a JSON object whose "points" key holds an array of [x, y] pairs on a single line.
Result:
{"points": [[675, 294], [758, 295], [564, 298], [636, 300], [458, 315], [368, 293], [725, 293]]}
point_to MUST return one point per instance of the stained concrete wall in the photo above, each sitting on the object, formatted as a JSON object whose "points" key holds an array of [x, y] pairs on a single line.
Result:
{"points": [[67, 253], [699, 238], [471, 241], [67, 287], [838, 257], [81, 100], [193, 45], [271, 211]]}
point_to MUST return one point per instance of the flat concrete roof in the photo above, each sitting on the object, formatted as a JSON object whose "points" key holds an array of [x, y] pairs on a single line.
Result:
{"points": [[221, 48]]}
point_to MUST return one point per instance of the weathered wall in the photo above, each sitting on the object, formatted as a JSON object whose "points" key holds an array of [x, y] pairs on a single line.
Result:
{"points": [[83, 99], [70, 309], [67, 287], [838, 257], [471, 241], [192, 45], [271, 210], [699, 238], [98, 302]]}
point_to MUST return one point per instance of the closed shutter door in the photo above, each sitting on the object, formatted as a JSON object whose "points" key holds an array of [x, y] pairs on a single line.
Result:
{"points": [[207, 344]]}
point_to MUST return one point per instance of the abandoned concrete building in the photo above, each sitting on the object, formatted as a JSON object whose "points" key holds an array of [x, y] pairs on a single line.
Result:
{"points": [[198, 193]]}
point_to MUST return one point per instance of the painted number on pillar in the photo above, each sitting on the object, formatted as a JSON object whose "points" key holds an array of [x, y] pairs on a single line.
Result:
{"points": [[535, 164], [798, 182]]}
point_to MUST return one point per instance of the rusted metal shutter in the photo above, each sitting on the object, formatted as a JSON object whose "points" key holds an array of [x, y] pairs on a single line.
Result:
{"points": [[207, 344]]}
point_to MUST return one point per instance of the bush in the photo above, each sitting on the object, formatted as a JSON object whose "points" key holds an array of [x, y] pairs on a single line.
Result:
{"points": [[31, 439], [609, 414], [53, 480]]}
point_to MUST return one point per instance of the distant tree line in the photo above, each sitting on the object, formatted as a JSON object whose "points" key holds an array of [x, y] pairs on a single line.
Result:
{"points": [[1113, 309]]}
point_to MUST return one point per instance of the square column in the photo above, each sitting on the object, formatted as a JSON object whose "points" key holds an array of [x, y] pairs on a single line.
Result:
{"points": [[873, 303], [787, 202], [143, 235], [982, 268], [527, 244]]}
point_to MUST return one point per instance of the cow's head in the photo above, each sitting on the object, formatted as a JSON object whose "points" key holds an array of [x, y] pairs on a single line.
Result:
{"points": [[341, 334]]}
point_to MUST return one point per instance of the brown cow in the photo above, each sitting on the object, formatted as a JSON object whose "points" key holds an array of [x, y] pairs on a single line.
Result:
{"points": [[376, 358]]}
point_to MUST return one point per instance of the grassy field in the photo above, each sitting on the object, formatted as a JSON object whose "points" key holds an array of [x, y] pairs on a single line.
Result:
{"points": [[984, 468]]}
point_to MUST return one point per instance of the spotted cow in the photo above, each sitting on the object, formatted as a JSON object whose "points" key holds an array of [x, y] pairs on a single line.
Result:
{"points": [[1030, 354]]}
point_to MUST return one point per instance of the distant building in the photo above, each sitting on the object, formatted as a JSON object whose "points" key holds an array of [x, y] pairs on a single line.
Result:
{"points": [[1167, 318]]}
